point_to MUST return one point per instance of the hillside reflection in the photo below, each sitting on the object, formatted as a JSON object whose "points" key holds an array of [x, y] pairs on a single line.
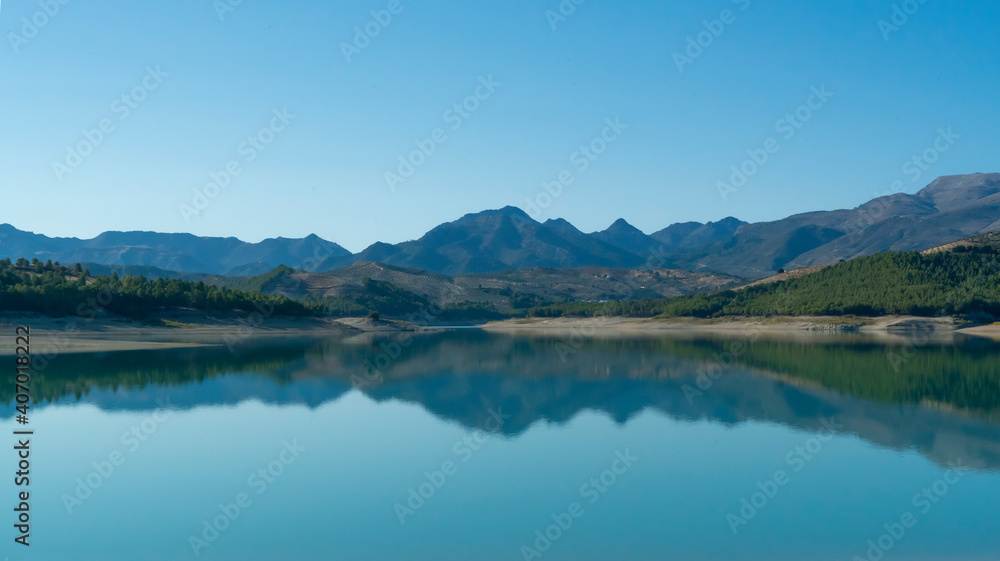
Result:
{"points": [[942, 400]]}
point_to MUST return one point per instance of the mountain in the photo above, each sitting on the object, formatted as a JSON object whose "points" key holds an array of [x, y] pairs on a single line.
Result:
{"points": [[952, 281], [172, 252], [496, 240], [696, 234], [151, 273], [948, 209], [460, 376], [981, 243], [625, 236], [502, 291]]}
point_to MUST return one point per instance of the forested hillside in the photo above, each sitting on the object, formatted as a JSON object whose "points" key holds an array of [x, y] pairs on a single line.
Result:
{"points": [[964, 281], [54, 289]]}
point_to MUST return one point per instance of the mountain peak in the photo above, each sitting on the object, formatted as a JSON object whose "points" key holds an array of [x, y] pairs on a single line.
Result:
{"points": [[951, 192], [625, 236], [510, 211], [562, 222], [621, 226], [562, 226]]}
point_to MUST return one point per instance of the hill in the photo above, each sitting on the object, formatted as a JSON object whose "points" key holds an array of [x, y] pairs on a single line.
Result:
{"points": [[150, 272], [170, 252], [949, 209], [506, 291], [625, 236], [981, 242], [908, 283], [54, 289], [497, 240]]}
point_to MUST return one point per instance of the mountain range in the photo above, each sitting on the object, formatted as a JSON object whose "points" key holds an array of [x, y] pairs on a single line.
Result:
{"points": [[503, 291], [172, 252], [948, 209]]}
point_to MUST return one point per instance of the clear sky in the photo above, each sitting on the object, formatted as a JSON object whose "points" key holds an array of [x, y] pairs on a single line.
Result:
{"points": [[219, 74]]}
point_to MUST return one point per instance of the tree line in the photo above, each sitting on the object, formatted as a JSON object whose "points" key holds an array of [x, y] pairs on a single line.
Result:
{"points": [[54, 289], [907, 283], [965, 282]]}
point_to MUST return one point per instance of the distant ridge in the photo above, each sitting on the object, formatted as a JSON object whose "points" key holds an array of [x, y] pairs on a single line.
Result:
{"points": [[949, 209], [497, 240], [173, 252]]}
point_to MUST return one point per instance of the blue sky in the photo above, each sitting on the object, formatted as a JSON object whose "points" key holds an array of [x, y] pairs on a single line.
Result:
{"points": [[209, 78]]}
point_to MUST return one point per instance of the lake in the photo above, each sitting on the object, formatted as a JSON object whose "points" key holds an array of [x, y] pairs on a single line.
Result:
{"points": [[474, 446]]}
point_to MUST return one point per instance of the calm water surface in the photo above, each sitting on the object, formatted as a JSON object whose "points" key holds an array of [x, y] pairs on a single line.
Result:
{"points": [[467, 446]]}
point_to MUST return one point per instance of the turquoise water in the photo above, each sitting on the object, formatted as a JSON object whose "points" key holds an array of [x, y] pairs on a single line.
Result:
{"points": [[474, 447]]}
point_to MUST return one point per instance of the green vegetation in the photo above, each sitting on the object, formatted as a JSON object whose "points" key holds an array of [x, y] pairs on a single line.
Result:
{"points": [[964, 376], [960, 377], [260, 283], [56, 377], [380, 297], [965, 282], [56, 290], [522, 300], [386, 299], [471, 311], [989, 240]]}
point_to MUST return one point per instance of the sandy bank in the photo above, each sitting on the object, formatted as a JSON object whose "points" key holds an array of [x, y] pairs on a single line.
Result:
{"points": [[72, 334], [76, 334], [888, 328]]}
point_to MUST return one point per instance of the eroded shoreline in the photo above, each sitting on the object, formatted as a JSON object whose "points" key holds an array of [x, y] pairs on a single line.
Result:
{"points": [[119, 334]]}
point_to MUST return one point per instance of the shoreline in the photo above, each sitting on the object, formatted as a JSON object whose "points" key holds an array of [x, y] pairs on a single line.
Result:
{"points": [[55, 335], [73, 334], [803, 327]]}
